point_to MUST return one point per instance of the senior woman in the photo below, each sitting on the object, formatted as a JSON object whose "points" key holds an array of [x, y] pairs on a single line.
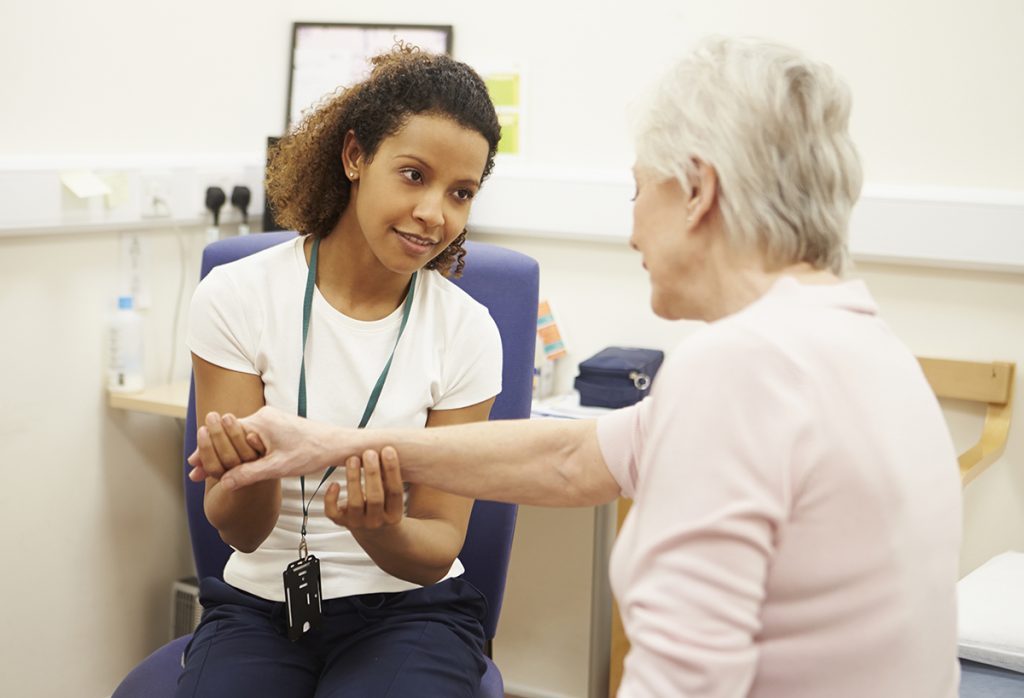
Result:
{"points": [[796, 518]]}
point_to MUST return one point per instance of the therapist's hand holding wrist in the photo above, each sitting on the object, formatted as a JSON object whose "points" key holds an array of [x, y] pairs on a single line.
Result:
{"points": [[280, 445]]}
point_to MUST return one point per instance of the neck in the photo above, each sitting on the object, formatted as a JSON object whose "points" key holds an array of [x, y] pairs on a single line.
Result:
{"points": [[739, 280], [352, 279]]}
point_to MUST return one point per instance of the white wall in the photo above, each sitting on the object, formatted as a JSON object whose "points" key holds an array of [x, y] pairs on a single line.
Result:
{"points": [[91, 505], [932, 79], [91, 501]]}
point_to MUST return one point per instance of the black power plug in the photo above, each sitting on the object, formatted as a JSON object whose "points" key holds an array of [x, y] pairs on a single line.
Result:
{"points": [[240, 198], [215, 199]]}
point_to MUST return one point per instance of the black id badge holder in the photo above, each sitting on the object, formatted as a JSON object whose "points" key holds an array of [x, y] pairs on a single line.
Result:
{"points": [[302, 595]]}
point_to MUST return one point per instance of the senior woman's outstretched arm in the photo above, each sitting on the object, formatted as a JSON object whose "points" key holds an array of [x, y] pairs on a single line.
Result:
{"points": [[546, 462]]}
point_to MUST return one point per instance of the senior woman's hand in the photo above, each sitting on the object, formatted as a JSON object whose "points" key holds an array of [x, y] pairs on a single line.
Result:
{"points": [[278, 444]]}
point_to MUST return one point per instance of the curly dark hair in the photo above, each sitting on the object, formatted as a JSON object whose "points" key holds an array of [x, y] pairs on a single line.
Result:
{"points": [[305, 180]]}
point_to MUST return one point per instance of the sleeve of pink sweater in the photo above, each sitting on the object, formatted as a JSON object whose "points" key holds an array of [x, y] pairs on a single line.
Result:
{"points": [[708, 460]]}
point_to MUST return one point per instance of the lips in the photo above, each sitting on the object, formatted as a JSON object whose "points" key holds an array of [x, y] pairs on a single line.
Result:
{"points": [[415, 244], [416, 239]]}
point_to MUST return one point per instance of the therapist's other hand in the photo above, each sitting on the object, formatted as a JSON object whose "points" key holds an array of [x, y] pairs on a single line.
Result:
{"points": [[285, 445], [221, 444], [373, 497]]}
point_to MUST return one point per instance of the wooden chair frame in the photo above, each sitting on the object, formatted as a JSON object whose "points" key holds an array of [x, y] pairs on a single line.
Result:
{"points": [[990, 383]]}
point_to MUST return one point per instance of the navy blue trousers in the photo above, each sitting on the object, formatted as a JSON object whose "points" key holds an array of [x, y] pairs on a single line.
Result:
{"points": [[422, 642]]}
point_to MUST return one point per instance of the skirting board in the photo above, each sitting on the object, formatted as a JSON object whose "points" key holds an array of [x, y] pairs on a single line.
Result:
{"points": [[928, 226]]}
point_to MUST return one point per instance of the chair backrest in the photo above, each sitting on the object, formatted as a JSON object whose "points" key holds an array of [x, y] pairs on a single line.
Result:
{"points": [[504, 281]]}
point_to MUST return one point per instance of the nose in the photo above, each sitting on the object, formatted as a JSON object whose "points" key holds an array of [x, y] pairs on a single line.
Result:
{"points": [[430, 209]]}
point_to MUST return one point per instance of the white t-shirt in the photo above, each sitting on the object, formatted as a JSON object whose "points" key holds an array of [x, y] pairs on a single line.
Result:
{"points": [[247, 316], [795, 530]]}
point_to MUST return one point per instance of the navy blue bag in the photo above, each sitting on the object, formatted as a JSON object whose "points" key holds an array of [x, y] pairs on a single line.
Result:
{"points": [[617, 376]]}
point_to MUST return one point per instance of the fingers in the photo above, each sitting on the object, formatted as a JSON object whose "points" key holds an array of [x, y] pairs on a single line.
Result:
{"points": [[268, 467], [394, 493], [355, 508], [221, 442], [207, 452], [237, 437], [333, 509], [373, 490], [254, 440], [196, 474], [341, 510], [374, 496]]}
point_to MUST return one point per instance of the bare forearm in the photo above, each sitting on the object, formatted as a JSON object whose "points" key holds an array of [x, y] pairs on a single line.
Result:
{"points": [[243, 518], [416, 550], [536, 461], [544, 462]]}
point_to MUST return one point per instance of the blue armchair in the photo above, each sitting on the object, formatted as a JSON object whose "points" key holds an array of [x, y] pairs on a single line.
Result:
{"points": [[506, 282]]}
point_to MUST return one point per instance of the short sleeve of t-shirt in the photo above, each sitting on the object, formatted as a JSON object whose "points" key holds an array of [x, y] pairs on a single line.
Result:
{"points": [[620, 435], [221, 328], [473, 362]]}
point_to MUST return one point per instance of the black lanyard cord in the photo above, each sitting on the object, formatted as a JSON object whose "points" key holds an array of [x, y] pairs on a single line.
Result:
{"points": [[307, 310]]}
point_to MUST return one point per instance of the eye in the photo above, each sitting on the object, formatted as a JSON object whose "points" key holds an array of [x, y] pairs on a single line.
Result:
{"points": [[464, 194], [413, 175]]}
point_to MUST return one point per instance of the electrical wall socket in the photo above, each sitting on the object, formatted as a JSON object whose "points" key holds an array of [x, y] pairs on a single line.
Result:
{"points": [[155, 195], [227, 177], [154, 191]]}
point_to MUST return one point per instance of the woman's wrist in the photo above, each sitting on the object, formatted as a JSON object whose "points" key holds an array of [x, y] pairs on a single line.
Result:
{"points": [[336, 445]]}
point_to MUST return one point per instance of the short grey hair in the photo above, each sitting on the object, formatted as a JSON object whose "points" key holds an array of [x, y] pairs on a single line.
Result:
{"points": [[774, 125]]}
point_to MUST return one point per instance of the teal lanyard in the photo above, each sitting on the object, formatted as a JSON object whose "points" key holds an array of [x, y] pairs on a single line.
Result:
{"points": [[307, 310]]}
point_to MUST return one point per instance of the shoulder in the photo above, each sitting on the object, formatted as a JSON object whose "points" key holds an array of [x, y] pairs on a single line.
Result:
{"points": [[731, 344], [245, 287], [446, 300], [791, 328], [730, 367], [261, 267]]}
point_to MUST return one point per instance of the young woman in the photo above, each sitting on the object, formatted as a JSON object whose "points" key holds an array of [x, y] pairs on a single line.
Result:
{"points": [[353, 323]]}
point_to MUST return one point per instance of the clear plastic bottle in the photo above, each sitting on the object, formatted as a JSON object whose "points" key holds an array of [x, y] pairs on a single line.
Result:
{"points": [[124, 373]]}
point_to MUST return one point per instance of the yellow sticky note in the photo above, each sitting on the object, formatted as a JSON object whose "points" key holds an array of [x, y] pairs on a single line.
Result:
{"points": [[503, 88], [84, 183], [509, 143]]}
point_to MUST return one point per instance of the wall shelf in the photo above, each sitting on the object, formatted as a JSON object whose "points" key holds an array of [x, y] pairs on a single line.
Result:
{"points": [[169, 400]]}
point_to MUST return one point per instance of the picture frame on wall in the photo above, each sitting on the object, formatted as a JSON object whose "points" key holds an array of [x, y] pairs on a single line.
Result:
{"points": [[326, 56]]}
